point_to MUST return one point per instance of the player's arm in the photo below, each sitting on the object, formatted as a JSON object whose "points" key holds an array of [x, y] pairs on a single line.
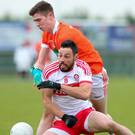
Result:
{"points": [[36, 70], [69, 120], [81, 92], [49, 105], [40, 63]]}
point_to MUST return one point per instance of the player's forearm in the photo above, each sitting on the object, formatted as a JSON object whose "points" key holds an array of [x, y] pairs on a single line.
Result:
{"points": [[41, 59], [77, 92], [53, 108], [45, 123]]}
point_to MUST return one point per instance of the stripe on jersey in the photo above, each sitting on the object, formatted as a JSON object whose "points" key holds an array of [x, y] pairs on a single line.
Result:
{"points": [[84, 66], [50, 69], [78, 83], [85, 82], [62, 93]]}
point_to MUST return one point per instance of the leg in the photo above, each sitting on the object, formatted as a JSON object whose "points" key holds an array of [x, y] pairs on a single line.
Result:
{"points": [[99, 122], [55, 131], [45, 123], [99, 91], [100, 105], [49, 133]]}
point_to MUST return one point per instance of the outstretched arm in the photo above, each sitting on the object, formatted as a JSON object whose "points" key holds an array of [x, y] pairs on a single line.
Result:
{"points": [[40, 63], [36, 70]]}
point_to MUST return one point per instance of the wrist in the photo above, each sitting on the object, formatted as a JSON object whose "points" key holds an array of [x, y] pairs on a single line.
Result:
{"points": [[39, 66], [61, 115], [58, 86], [64, 116], [69, 120], [44, 45], [36, 74]]}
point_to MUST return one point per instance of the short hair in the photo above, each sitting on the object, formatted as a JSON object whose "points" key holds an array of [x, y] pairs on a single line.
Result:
{"points": [[70, 44], [41, 7]]}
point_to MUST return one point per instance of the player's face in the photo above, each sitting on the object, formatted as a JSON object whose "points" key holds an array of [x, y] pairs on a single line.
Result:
{"points": [[66, 59], [43, 22]]}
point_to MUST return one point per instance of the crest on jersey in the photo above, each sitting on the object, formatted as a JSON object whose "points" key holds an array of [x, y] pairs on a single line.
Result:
{"points": [[76, 77], [65, 79]]}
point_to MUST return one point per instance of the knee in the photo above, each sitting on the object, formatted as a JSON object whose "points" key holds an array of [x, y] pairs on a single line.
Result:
{"points": [[49, 133], [112, 126]]}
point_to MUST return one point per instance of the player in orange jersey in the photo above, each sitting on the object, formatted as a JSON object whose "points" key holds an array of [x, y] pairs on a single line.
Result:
{"points": [[54, 33]]}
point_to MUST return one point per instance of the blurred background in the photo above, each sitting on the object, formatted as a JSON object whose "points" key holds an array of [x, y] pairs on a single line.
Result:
{"points": [[109, 24]]}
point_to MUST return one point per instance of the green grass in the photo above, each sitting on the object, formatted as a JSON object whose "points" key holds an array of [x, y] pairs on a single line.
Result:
{"points": [[121, 101], [20, 101]]}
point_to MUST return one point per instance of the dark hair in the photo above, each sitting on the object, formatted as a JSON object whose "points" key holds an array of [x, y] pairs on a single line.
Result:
{"points": [[70, 44], [41, 7]]}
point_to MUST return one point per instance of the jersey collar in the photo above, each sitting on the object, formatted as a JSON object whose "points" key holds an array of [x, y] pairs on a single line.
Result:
{"points": [[55, 26]]}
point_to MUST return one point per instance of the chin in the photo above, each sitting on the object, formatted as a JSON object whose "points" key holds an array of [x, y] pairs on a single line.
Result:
{"points": [[65, 70]]}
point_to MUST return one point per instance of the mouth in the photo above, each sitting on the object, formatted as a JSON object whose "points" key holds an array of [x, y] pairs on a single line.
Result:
{"points": [[62, 65]]}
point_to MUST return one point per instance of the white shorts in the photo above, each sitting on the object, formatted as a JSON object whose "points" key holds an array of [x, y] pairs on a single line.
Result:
{"points": [[99, 86]]}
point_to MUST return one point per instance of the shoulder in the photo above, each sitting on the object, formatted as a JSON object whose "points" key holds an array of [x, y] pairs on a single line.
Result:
{"points": [[83, 66], [66, 28], [51, 69], [67, 32]]}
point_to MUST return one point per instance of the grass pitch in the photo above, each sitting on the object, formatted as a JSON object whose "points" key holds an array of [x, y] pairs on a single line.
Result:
{"points": [[21, 101]]}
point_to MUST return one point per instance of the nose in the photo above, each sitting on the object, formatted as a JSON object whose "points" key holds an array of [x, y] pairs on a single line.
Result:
{"points": [[61, 59], [38, 25]]}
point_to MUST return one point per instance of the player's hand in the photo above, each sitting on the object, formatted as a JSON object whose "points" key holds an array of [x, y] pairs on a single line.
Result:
{"points": [[69, 120], [36, 74], [49, 84]]}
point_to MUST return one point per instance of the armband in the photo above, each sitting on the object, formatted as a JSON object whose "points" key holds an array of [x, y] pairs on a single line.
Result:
{"points": [[44, 45]]}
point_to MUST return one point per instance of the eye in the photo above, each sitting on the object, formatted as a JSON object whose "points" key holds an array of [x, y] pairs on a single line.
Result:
{"points": [[59, 55], [67, 56], [37, 20]]}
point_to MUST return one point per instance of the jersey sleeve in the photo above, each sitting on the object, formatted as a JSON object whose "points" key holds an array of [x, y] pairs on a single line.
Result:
{"points": [[85, 73], [44, 40], [49, 71]]}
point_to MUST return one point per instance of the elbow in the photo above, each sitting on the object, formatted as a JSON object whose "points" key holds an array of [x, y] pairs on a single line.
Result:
{"points": [[85, 96]]}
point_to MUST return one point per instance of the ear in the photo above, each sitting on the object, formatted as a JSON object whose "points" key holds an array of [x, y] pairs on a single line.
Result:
{"points": [[76, 56]]}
